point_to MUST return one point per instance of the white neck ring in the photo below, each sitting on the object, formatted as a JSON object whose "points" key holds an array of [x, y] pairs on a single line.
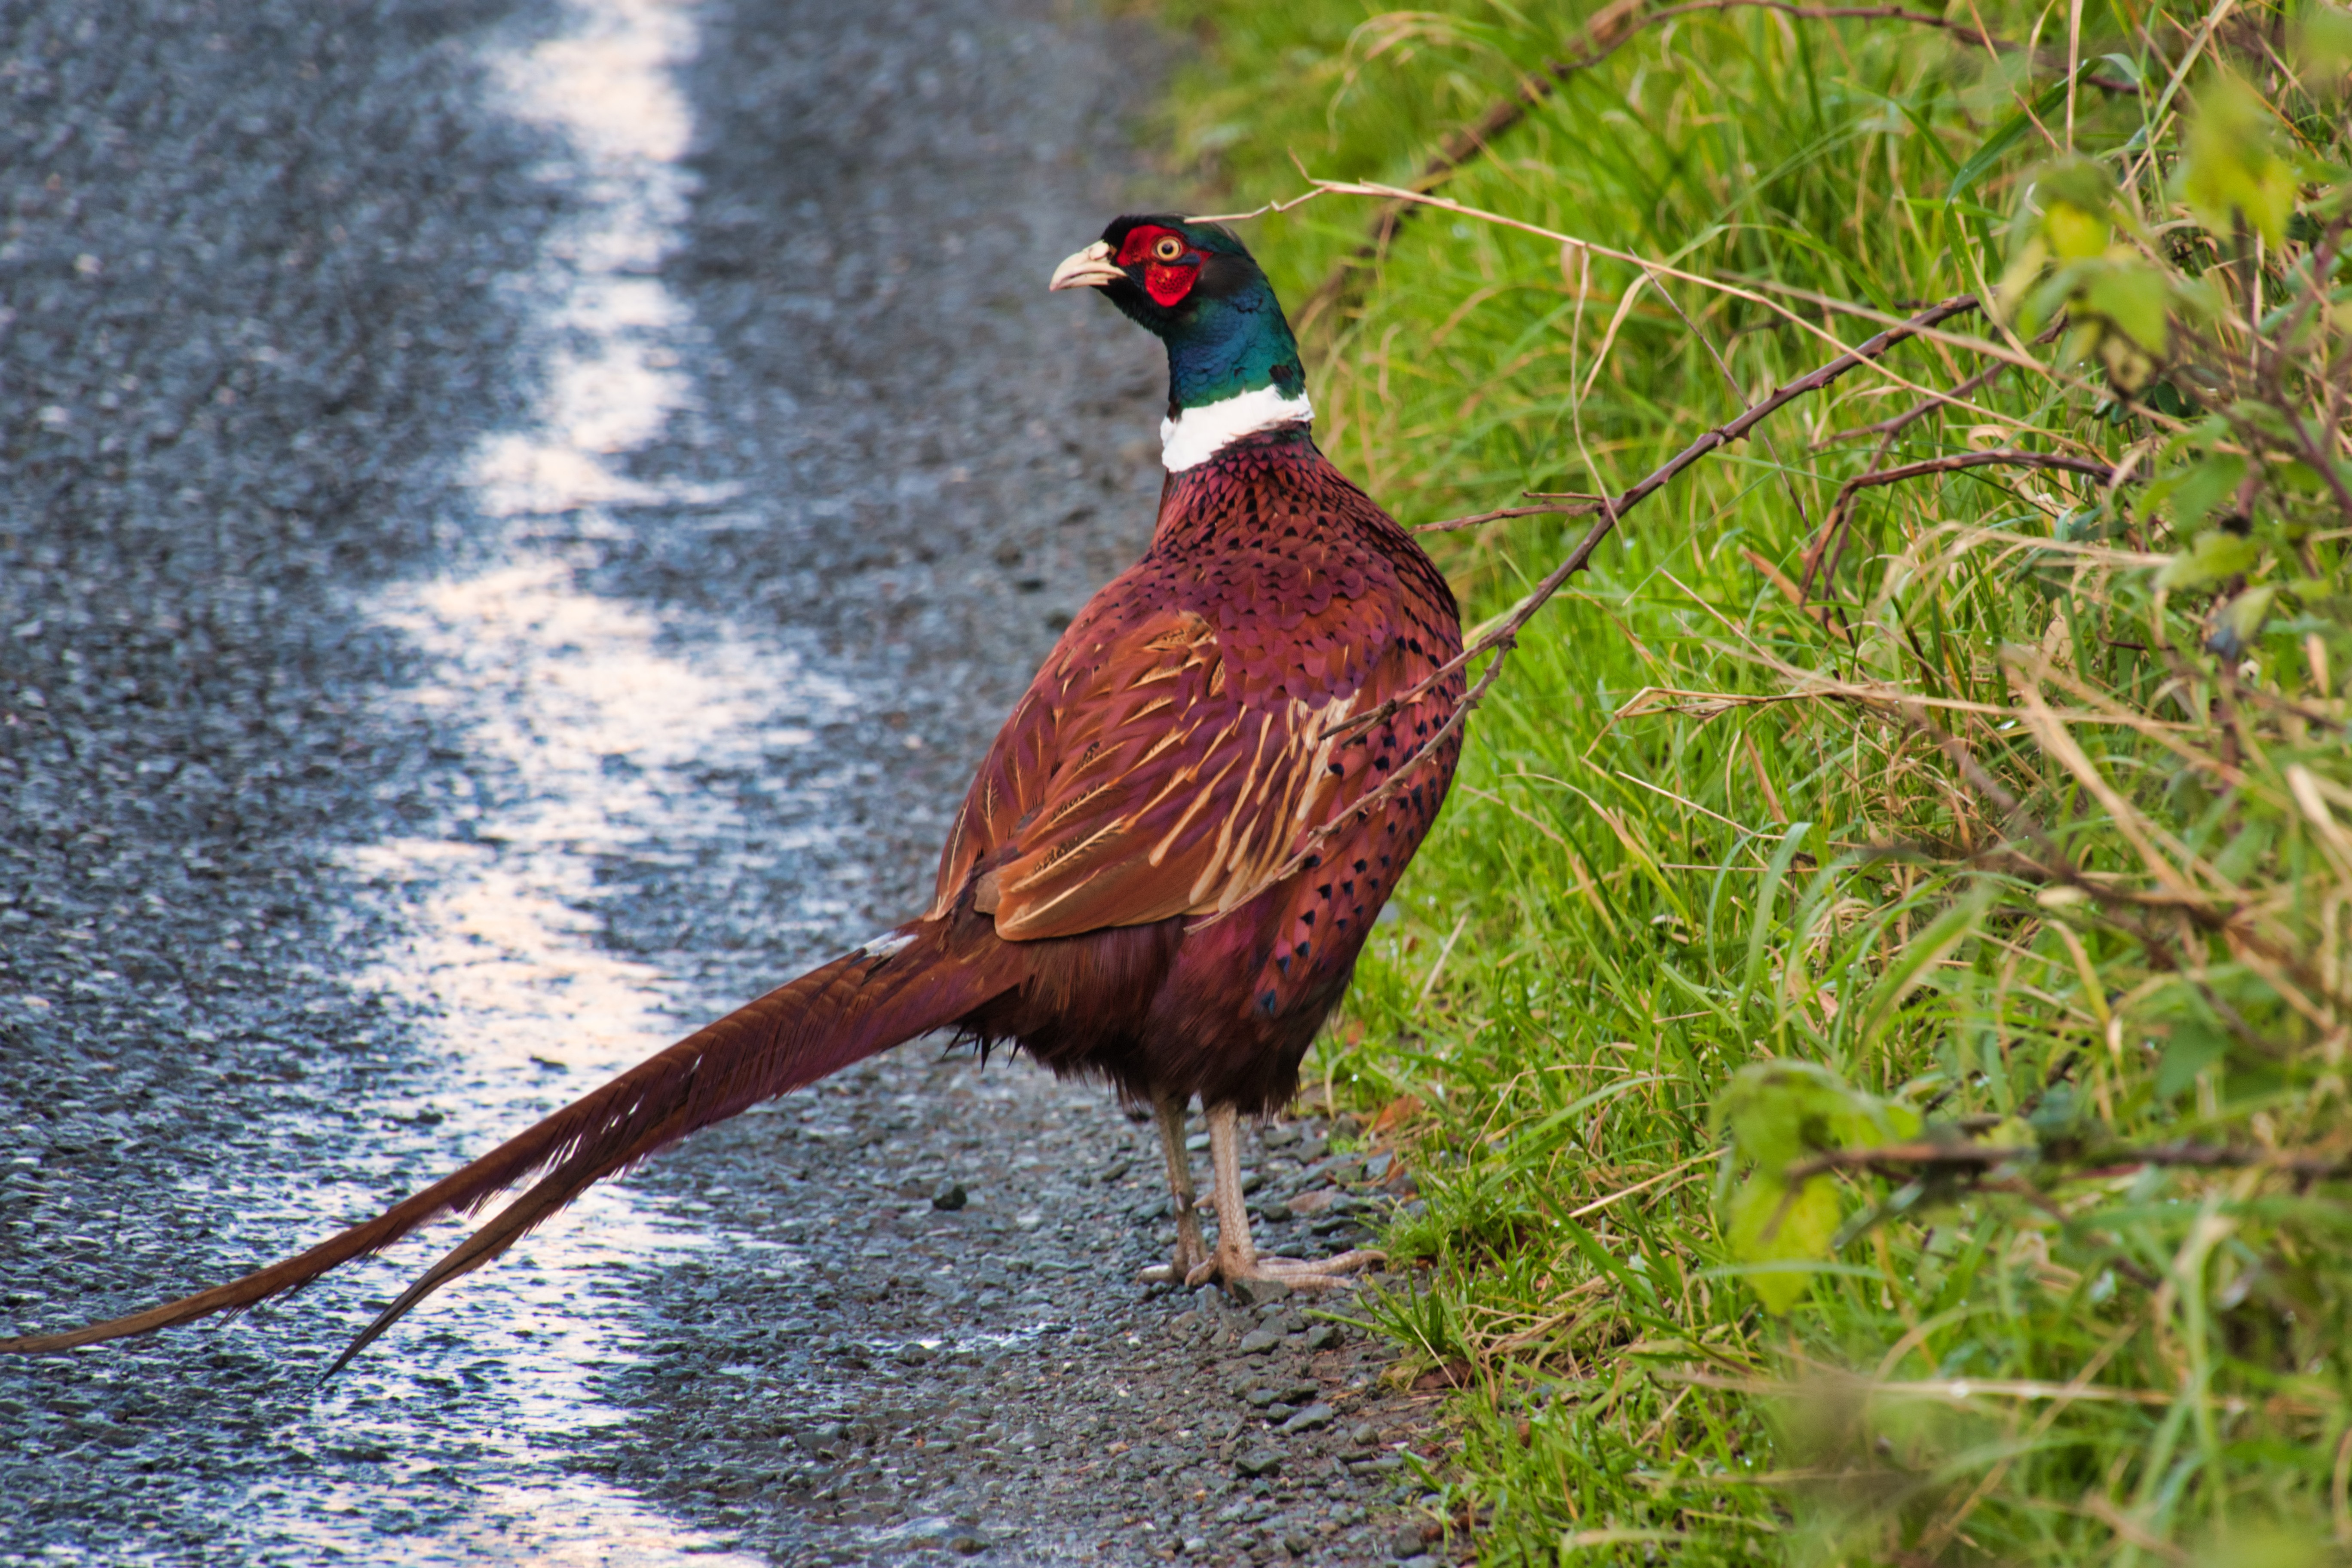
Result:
{"points": [[1196, 435]]}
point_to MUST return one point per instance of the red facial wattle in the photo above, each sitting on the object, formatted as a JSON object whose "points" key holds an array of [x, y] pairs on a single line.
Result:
{"points": [[1167, 284], [1167, 281]]}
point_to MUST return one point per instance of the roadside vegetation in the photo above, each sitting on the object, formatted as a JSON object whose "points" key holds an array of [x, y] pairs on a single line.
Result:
{"points": [[1869, 1031]]}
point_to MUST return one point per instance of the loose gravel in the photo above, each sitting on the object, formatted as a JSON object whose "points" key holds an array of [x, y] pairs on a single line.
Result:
{"points": [[258, 305], [881, 1374]]}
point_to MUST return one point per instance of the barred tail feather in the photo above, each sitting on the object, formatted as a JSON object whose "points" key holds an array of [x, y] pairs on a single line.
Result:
{"points": [[889, 991]]}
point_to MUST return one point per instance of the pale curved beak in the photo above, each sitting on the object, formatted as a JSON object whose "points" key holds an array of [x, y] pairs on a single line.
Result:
{"points": [[1090, 268]]}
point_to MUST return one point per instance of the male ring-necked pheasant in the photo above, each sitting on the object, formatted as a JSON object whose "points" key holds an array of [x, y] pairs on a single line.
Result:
{"points": [[1110, 897]]}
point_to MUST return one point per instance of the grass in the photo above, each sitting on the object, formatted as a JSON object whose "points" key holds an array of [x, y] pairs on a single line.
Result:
{"points": [[1869, 1027]]}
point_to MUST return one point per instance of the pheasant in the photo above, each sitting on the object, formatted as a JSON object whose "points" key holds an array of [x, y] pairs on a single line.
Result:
{"points": [[1165, 869]]}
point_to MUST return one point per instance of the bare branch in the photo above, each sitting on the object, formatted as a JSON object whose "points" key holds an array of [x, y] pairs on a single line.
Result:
{"points": [[1917, 411], [1505, 633], [1580, 507]]}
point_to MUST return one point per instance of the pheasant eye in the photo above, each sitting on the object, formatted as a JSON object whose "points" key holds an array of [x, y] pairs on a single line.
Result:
{"points": [[1170, 248]]}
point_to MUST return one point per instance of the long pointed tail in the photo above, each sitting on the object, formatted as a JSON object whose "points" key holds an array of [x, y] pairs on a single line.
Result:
{"points": [[915, 979]]}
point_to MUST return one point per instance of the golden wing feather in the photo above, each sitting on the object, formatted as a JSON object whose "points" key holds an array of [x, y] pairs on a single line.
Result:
{"points": [[1174, 794]]}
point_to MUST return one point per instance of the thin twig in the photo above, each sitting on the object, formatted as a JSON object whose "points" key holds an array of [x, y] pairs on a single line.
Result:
{"points": [[1567, 509], [1917, 411], [1831, 536], [1504, 637]]}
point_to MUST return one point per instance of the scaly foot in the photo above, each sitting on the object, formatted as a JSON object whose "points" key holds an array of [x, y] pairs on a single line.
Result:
{"points": [[1188, 1261], [1235, 1263], [1321, 1274], [1191, 1251]]}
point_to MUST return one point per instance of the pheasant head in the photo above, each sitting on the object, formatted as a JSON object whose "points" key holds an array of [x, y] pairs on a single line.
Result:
{"points": [[1233, 365]]}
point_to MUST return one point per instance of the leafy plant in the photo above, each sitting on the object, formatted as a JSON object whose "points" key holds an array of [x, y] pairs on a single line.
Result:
{"points": [[1784, 1217], [1930, 808]]}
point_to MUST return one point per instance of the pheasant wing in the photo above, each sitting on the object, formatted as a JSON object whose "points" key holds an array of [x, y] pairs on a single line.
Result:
{"points": [[1142, 778]]}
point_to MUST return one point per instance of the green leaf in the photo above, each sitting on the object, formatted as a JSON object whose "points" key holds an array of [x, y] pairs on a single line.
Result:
{"points": [[2076, 197], [2193, 495], [2132, 296], [2023, 269], [2079, 182], [2076, 234], [1768, 1224], [2233, 168], [2244, 617], [2193, 1047], [1780, 1113], [2215, 557]]}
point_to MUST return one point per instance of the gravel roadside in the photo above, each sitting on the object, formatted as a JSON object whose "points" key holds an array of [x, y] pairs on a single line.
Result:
{"points": [[263, 308]]}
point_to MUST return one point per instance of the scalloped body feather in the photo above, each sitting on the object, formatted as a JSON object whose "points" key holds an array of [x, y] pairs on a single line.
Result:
{"points": [[1174, 751]]}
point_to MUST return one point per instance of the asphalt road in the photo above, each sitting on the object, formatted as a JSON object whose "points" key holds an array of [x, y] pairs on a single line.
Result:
{"points": [[515, 521]]}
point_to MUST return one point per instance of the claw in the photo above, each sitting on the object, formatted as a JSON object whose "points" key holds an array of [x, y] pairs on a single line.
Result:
{"points": [[1235, 1261], [1298, 1274], [1349, 1262]]}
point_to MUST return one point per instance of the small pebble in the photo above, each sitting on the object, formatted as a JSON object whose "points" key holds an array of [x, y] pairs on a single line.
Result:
{"points": [[949, 1197], [1258, 1462], [1256, 1292]]}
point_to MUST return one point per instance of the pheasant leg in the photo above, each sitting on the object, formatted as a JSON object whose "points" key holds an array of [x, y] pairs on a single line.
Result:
{"points": [[1191, 1251], [1236, 1257]]}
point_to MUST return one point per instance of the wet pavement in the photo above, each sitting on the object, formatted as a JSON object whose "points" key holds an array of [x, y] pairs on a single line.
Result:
{"points": [[515, 521]]}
